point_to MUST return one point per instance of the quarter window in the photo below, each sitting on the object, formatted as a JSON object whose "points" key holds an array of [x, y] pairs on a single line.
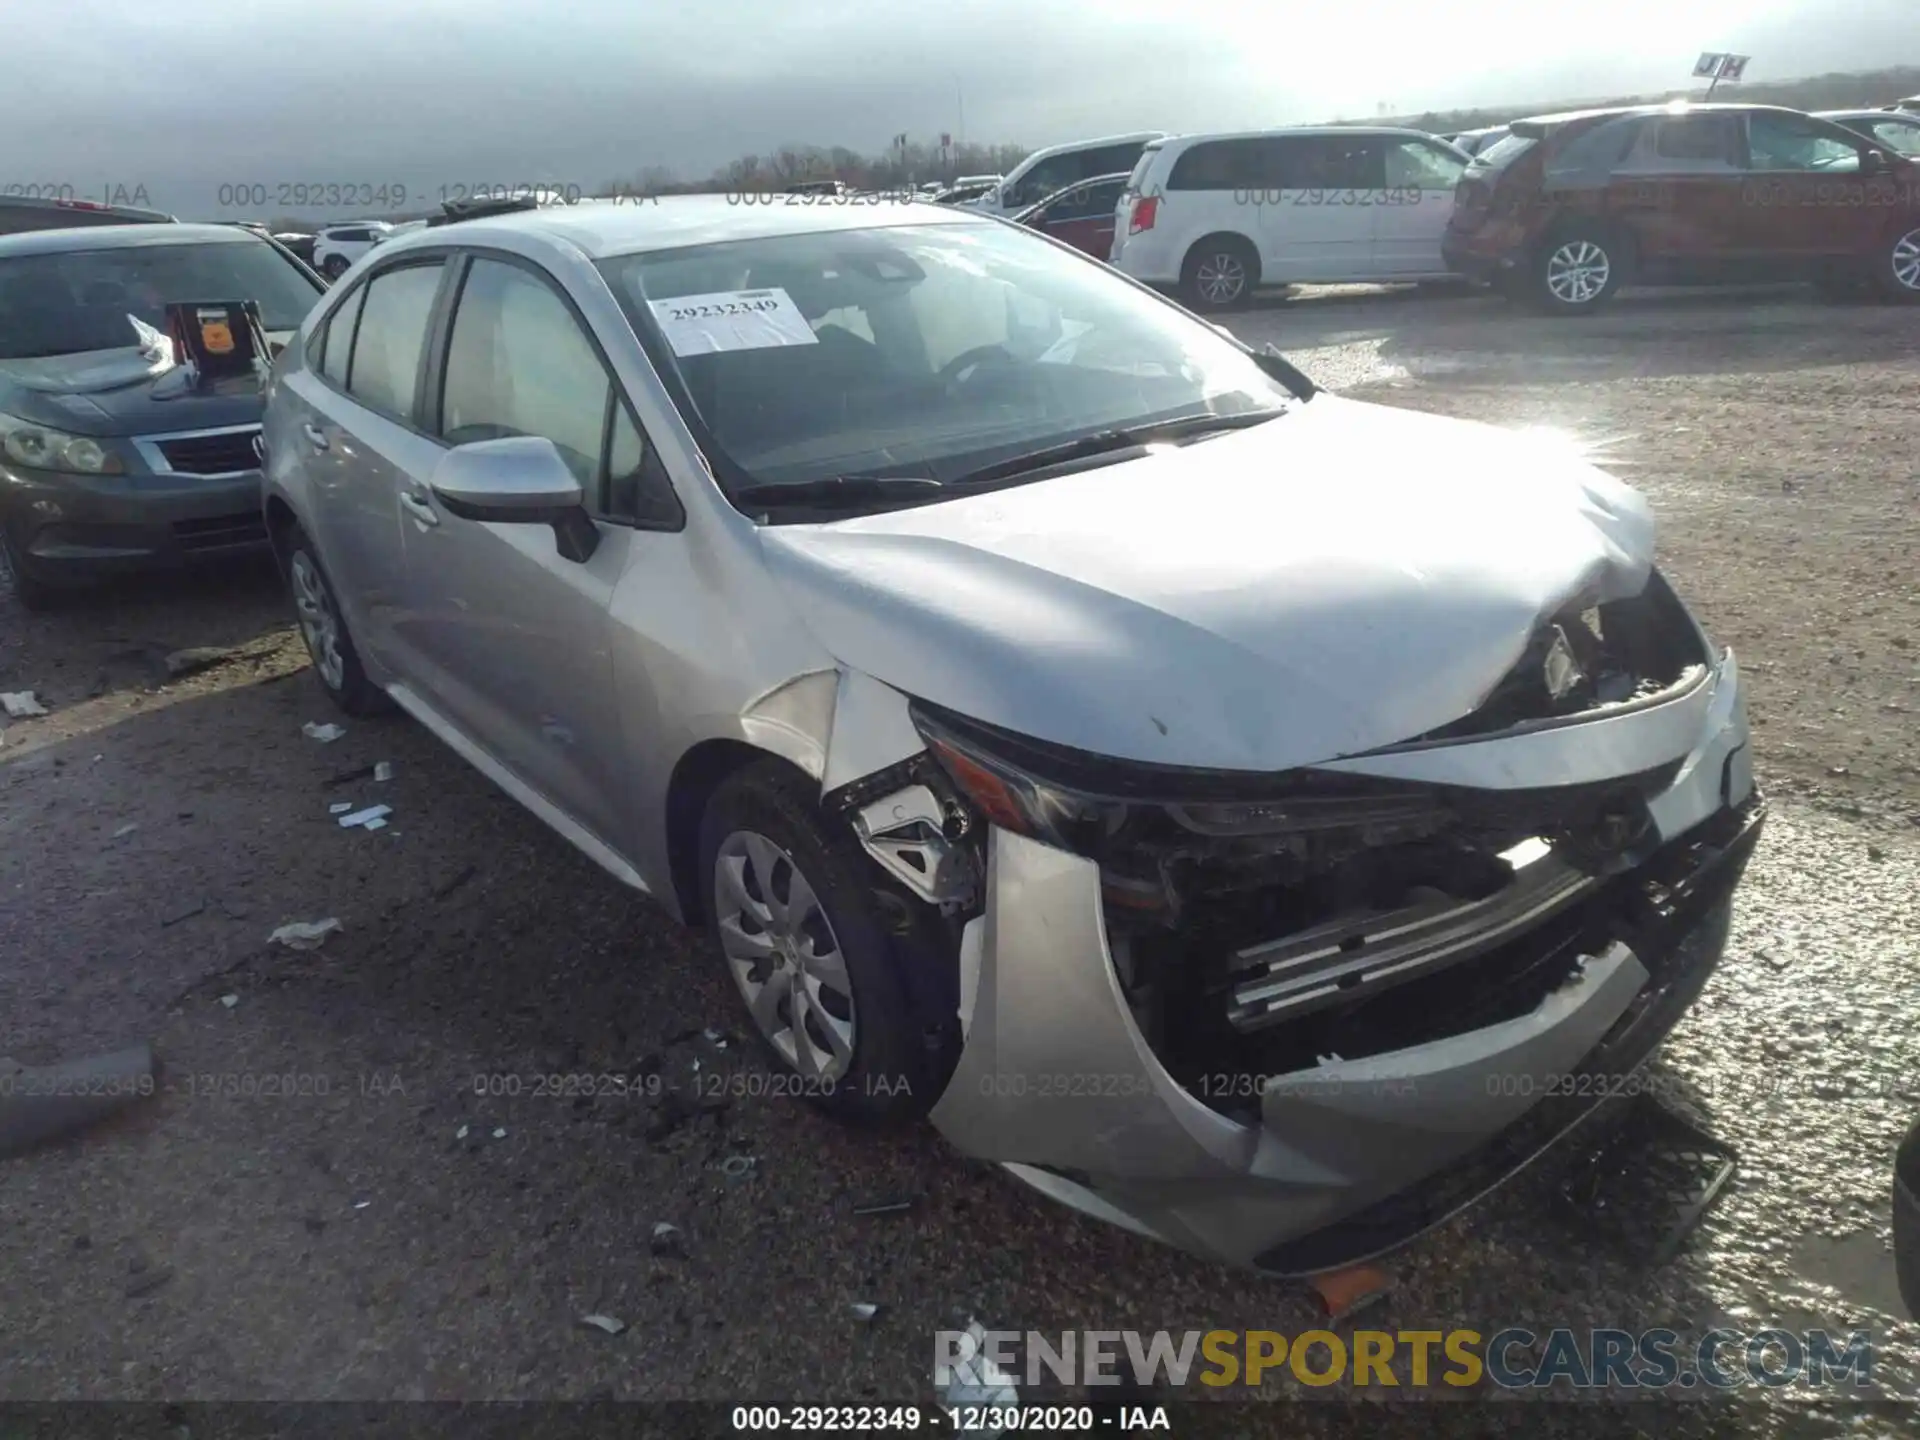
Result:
{"points": [[337, 343], [391, 336]]}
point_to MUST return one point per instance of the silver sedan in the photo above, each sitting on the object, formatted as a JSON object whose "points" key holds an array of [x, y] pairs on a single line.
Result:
{"points": [[1259, 819]]}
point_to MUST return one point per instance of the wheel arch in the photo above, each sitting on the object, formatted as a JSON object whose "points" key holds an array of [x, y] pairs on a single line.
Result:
{"points": [[1234, 239], [698, 774]]}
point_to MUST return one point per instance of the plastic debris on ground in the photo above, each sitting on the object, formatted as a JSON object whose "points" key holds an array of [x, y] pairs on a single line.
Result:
{"points": [[735, 1166], [339, 807], [715, 1038], [604, 1322], [367, 817], [499, 1134], [325, 734], [124, 831], [870, 1208], [864, 1311], [361, 1204], [383, 771], [461, 1133], [21, 703], [975, 1379], [666, 1239], [305, 934], [229, 1001]]}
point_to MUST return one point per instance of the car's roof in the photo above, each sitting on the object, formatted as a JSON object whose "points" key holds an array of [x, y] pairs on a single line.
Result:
{"points": [[1671, 107], [1868, 114], [1137, 137], [603, 228], [122, 237], [1199, 136]]}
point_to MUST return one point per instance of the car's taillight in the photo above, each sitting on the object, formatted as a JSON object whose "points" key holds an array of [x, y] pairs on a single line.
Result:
{"points": [[1146, 209]]}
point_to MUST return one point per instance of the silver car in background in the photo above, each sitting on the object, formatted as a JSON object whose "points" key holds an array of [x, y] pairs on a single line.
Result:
{"points": [[1255, 818]]}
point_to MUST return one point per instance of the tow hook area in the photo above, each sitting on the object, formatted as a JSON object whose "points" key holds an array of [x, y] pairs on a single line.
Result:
{"points": [[916, 832]]}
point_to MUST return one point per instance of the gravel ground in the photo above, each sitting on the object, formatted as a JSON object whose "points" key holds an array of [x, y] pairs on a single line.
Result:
{"points": [[381, 1231]]}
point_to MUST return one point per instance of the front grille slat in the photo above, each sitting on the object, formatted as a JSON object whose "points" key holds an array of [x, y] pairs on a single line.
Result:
{"points": [[214, 532], [225, 453]]}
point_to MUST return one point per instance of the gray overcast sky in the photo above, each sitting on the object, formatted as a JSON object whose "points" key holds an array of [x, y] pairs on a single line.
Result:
{"points": [[182, 95]]}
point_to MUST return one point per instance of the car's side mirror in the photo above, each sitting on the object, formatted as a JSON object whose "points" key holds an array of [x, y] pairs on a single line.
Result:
{"points": [[1874, 162], [518, 480]]}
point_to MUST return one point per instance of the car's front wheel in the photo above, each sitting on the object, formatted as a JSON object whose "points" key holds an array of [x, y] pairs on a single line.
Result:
{"points": [[1578, 270], [324, 628], [790, 902], [1900, 267]]}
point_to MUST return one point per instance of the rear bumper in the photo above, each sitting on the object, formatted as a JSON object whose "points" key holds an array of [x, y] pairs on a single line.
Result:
{"points": [[1349, 1158], [71, 527]]}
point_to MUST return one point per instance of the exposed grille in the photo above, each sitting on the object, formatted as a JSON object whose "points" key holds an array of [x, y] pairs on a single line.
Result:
{"points": [[245, 528], [223, 453]]}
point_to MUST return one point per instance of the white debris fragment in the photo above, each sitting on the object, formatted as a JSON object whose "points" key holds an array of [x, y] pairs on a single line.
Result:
{"points": [[124, 831], [383, 771], [361, 1204], [975, 1380], [21, 703], [604, 1322], [864, 1311], [715, 1038], [325, 734], [305, 934], [339, 807], [461, 1133], [229, 1001], [499, 1134], [376, 823], [366, 817]]}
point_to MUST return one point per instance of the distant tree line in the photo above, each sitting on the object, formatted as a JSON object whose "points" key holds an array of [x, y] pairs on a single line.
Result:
{"points": [[914, 164]]}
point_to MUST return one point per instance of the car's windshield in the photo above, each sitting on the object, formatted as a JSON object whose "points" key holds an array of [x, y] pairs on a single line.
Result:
{"points": [[79, 300], [926, 350]]}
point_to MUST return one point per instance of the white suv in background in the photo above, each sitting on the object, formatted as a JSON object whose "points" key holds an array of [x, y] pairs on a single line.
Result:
{"points": [[1219, 215], [338, 246], [1048, 171]]}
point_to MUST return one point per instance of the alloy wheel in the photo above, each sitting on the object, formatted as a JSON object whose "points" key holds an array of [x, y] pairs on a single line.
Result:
{"points": [[1220, 278], [1906, 260], [1577, 272], [319, 622], [784, 955]]}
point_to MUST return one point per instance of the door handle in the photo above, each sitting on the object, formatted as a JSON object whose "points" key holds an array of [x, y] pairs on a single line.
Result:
{"points": [[314, 437], [418, 507]]}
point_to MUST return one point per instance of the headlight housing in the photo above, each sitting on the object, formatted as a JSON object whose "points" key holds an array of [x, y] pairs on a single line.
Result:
{"points": [[41, 447]]}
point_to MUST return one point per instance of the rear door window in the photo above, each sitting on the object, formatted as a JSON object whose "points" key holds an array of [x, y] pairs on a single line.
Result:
{"points": [[1110, 160], [1687, 144], [1220, 165], [1332, 162], [392, 335]]}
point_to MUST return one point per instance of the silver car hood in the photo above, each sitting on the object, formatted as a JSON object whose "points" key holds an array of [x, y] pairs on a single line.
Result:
{"points": [[1338, 579]]}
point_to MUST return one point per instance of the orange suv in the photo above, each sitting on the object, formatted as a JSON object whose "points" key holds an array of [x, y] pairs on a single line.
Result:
{"points": [[1567, 208]]}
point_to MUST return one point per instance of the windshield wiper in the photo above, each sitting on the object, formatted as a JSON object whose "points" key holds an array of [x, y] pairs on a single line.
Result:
{"points": [[1101, 442], [840, 489]]}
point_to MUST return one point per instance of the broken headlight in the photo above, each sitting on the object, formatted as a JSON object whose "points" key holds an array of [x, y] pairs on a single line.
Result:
{"points": [[1100, 807]]}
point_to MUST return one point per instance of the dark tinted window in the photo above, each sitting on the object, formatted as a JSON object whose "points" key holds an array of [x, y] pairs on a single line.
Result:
{"points": [[1110, 159], [79, 300], [1219, 165], [519, 364], [391, 336], [337, 342], [1714, 139], [1503, 152], [1086, 202], [1596, 149], [1326, 162]]}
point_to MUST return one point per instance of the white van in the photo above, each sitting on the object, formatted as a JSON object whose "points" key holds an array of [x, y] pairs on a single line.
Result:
{"points": [[1059, 166], [1218, 215]]}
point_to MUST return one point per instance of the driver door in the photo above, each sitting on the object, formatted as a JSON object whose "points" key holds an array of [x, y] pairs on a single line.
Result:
{"points": [[1805, 200], [513, 639]]}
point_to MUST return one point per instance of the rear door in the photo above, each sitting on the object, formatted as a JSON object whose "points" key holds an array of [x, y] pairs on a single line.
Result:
{"points": [[1315, 196], [515, 639], [1410, 212], [363, 440], [1084, 218], [1676, 192]]}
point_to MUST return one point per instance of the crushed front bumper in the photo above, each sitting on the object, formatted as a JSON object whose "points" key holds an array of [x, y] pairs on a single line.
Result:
{"points": [[72, 527], [1350, 1158]]}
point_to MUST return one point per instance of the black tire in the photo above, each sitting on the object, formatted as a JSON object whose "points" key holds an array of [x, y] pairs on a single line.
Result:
{"points": [[893, 1075], [335, 267], [1906, 1220], [1897, 271], [1211, 267], [1568, 263], [345, 683], [31, 591]]}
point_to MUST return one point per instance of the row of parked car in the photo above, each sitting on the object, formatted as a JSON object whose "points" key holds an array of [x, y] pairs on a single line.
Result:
{"points": [[1557, 210]]}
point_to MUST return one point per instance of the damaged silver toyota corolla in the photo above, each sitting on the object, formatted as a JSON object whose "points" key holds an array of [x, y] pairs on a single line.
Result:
{"points": [[1258, 819]]}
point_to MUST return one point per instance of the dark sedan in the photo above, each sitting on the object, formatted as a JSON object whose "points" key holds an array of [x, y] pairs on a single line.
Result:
{"points": [[1080, 215], [108, 461]]}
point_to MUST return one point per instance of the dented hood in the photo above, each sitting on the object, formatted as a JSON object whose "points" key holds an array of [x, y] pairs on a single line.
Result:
{"points": [[1341, 578]]}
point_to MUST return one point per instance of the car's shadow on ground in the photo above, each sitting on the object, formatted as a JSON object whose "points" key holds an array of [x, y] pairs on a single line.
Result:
{"points": [[408, 1161]]}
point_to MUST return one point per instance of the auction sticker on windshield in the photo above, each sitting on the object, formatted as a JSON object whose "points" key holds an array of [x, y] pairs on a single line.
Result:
{"points": [[731, 320]]}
